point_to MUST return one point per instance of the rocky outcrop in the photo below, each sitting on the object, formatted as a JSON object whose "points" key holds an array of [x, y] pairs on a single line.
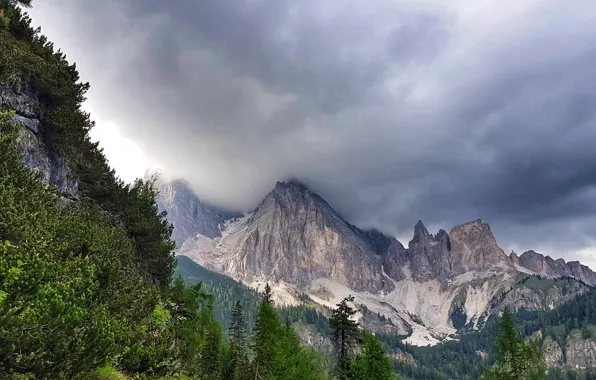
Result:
{"points": [[547, 266], [295, 236], [540, 264], [188, 214], [514, 258], [535, 293], [581, 272], [574, 352], [36, 154], [475, 247], [429, 256], [580, 352]]}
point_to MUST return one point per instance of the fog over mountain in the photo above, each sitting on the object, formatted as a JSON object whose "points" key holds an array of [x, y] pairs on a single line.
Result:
{"points": [[393, 111]]}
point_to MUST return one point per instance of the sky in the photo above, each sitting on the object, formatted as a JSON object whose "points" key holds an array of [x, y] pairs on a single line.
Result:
{"points": [[394, 110]]}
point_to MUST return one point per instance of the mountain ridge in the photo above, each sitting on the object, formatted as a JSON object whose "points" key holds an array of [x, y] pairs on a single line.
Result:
{"points": [[296, 240]]}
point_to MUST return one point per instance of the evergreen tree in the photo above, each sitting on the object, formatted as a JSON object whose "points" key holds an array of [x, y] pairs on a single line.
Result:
{"points": [[344, 335], [210, 354], [515, 359], [372, 363], [238, 357], [267, 330]]}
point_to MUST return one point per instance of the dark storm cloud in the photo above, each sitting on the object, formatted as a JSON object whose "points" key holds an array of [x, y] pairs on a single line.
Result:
{"points": [[393, 110]]}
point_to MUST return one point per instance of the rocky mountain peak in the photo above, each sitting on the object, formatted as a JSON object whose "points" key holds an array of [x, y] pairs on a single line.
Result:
{"points": [[547, 266], [295, 236], [420, 231], [476, 246], [290, 193], [514, 258], [187, 213], [429, 256]]}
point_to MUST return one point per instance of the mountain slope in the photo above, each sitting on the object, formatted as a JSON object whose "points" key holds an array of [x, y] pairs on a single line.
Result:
{"points": [[187, 213], [439, 284]]}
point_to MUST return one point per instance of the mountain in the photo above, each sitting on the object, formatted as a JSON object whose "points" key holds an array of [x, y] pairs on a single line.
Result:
{"points": [[547, 266], [186, 211], [439, 284]]}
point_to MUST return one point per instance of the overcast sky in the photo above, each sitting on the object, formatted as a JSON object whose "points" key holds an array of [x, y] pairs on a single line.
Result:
{"points": [[394, 111]]}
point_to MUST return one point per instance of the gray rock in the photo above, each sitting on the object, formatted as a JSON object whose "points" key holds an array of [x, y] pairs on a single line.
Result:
{"points": [[51, 168], [295, 236], [475, 248], [547, 266], [31, 124], [20, 99], [188, 214], [430, 256]]}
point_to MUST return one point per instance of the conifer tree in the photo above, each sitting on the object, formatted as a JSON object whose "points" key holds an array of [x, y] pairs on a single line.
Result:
{"points": [[267, 329], [345, 333], [210, 354], [515, 359], [238, 356], [372, 363]]}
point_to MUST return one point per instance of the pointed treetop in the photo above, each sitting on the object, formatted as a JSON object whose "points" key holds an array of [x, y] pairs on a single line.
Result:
{"points": [[268, 295]]}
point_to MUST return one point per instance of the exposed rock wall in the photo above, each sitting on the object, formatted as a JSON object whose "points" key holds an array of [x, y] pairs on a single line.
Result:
{"points": [[188, 214], [36, 154]]}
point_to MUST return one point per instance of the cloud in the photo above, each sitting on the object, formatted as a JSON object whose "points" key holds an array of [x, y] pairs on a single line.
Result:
{"points": [[393, 111]]}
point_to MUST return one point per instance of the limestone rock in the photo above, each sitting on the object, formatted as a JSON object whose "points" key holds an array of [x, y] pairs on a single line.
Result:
{"points": [[36, 154], [547, 266], [475, 247], [430, 256], [295, 236], [188, 214]]}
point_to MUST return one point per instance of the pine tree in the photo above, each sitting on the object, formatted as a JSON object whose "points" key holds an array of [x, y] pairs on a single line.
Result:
{"points": [[238, 356], [267, 330], [268, 296], [210, 354], [515, 359], [345, 333], [372, 363]]}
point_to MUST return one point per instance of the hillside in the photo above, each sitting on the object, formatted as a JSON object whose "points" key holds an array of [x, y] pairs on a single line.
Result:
{"points": [[86, 260]]}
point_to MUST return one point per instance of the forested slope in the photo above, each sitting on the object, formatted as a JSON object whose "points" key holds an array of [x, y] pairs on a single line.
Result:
{"points": [[85, 269]]}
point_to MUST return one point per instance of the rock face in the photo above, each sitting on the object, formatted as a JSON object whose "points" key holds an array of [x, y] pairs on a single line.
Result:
{"points": [[514, 258], [430, 256], [575, 352], [36, 154], [188, 214], [547, 266], [476, 247], [295, 236]]}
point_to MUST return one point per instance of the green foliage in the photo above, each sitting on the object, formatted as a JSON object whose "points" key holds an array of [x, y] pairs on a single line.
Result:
{"points": [[372, 362], [210, 353], [267, 328], [237, 361], [84, 284], [344, 336], [515, 358]]}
